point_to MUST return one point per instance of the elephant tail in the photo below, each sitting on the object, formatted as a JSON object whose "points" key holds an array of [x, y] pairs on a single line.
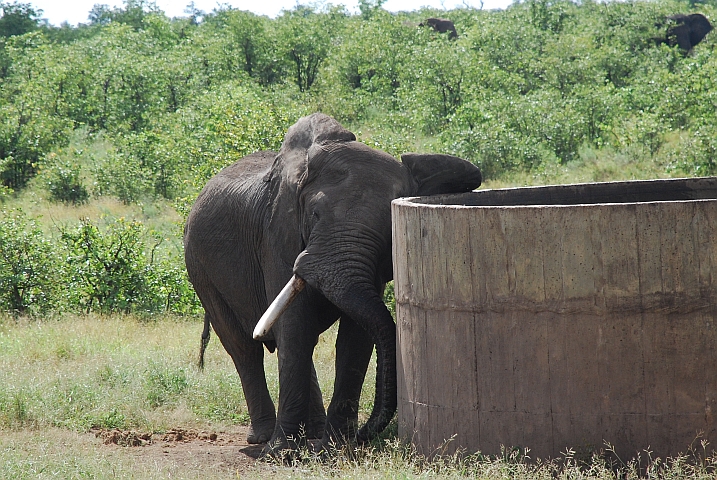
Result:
{"points": [[205, 341]]}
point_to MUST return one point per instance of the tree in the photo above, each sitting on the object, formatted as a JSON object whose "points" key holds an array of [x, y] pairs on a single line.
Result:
{"points": [[436, 85], [194, 13], [18, 18], [100, 14], [232, 41], [248, 35], [305, 36], [32, 120], [133, 13], [369, 7]]}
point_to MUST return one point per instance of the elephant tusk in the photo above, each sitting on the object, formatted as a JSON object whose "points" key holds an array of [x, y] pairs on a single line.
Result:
{"points": [[278, 306]]}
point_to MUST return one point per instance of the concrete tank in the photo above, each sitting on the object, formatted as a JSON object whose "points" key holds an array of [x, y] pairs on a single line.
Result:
{"points": [[558, 317]]}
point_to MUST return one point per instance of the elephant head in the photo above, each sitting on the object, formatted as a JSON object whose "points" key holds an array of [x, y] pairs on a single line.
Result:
{"points": [[337, 193]]}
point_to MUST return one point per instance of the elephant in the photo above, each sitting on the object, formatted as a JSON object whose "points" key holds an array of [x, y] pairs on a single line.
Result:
{"points": [[441, 25], [316, 214], [686, 31]]}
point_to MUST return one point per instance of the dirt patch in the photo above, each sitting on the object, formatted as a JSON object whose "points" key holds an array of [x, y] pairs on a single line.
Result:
{"points": [[124, 438], [214, 451]]}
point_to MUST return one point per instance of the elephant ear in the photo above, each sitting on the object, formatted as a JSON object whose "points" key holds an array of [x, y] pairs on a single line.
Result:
{"points": [[289, 169], [699, 28], [307, 131], [436, 173], [315, 128]]}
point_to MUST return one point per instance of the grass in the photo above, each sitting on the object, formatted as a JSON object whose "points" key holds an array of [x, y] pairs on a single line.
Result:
{"points": [[110, 372], [57, 453], [80, 372], [61, 377]]}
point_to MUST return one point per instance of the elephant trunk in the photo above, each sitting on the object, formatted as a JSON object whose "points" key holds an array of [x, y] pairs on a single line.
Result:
{"points": [[278, 306], [371, 313], [362, 303], [351, 285]]}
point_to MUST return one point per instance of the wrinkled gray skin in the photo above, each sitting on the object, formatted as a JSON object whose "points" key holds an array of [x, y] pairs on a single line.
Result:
{"points": [[687, 30], [441, 25], [320, 208]]}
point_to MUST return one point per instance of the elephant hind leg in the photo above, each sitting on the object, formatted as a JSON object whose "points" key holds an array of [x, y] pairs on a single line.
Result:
{"points": [[248, 357]]}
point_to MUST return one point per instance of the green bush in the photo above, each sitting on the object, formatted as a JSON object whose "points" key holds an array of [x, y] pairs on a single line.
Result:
{"points": [[227, 124], [64, 183], [496, 149], [694, 152], [171, 289], [25, 138], [29, 271], [148, 164], [108, 267], [123, 177], [116, 268], [389, 298]]}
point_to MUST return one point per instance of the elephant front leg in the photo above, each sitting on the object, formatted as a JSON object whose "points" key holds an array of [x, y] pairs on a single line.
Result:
{"points": [[317, 413], [297, 382], [353, 353]]}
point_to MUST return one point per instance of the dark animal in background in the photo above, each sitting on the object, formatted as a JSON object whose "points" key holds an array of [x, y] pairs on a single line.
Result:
{"points": [[686, 31], [316, 214], [441, 25]]}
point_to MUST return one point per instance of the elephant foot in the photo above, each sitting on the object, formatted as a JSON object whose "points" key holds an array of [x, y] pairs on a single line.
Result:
{"points": [[338, 434], [328, 448], [314, 428], [288, 449], [259, 435]]}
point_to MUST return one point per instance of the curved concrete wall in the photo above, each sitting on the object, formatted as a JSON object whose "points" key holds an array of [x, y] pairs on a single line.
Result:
{"points": [[558, 317]]}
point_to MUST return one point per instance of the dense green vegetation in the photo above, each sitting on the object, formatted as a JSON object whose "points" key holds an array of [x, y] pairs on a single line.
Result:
{"points": [[139, 109]]}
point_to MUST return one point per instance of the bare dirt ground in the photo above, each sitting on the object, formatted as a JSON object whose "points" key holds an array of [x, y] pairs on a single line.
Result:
{"points": [[215, 451]]}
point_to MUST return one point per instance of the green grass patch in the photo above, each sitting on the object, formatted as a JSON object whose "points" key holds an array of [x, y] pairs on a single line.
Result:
{"points": [[90, 371], [81, 372]]}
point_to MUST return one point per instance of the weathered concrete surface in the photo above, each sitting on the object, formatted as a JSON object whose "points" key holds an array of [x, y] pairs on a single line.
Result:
{"points": [[556, 325]]}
